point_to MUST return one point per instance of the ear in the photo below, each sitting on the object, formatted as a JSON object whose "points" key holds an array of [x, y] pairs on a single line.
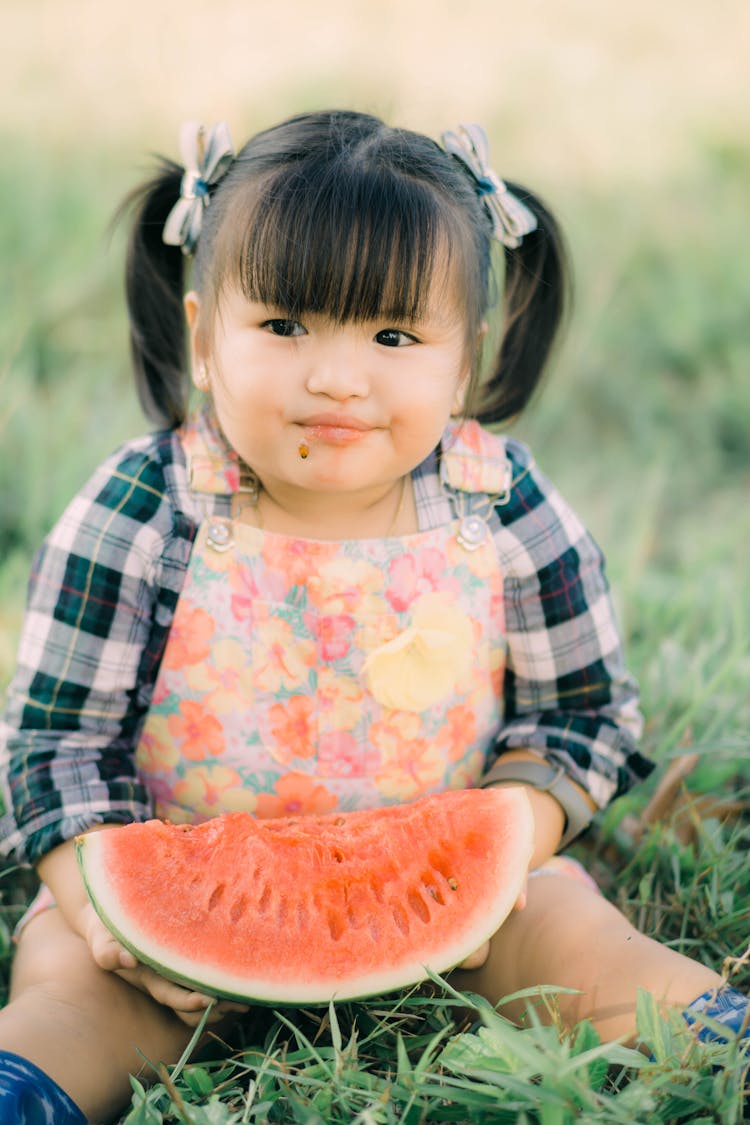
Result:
{"points": [[198, 366]]}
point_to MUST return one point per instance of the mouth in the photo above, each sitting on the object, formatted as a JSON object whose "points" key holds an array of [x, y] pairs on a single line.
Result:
{"points": [[335, 429]]}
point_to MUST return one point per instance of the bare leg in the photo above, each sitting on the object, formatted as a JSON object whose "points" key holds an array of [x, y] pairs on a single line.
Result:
{"points": [[80, 1024], [571, 936]]}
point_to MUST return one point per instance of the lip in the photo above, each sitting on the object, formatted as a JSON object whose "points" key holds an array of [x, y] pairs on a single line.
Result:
{"points": [[335, 429]]}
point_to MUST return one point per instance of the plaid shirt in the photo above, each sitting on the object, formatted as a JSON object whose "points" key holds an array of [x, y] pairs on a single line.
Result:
{"points": [[103, 591]]}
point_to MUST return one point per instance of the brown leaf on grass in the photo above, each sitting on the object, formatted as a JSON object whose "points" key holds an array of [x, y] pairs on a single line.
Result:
{"points": [[674, 804]]}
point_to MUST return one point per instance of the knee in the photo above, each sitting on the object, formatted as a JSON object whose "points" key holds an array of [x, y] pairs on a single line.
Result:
{"points": [[50, 956]]}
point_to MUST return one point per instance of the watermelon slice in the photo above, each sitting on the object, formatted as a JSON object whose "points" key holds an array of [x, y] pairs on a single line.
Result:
{"points": [[304, 910]]}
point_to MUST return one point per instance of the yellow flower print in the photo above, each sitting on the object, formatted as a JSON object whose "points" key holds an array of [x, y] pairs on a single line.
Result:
{"points": [[157, 751], [466, 774], [281, 660], [225, 680], [410, 769], [344, 585], [340, 699], [210, 790], [399, 727], [428, 661]]}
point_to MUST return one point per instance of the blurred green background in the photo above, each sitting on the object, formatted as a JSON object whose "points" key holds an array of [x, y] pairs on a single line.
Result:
{"points": [[633, 120]]}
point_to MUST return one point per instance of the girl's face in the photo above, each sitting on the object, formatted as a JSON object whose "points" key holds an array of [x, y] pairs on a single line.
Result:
{"points": [[368, 400]]}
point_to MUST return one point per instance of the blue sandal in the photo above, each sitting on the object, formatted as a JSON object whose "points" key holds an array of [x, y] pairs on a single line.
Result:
{"points": [[725, 1006]]}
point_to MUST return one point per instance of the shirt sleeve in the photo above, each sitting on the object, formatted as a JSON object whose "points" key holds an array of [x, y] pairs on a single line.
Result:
{"points": [[101, 599], [568, 694]]}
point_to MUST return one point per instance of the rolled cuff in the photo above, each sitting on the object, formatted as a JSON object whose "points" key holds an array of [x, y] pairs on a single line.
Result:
{"points": [[601, 756]]}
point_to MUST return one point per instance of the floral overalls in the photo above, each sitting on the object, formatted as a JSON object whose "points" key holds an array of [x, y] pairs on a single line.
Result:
{"points": [[306, 675]]}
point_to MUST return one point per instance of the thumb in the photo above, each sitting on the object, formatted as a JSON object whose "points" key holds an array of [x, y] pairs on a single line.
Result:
{"points": [[106, 950]]}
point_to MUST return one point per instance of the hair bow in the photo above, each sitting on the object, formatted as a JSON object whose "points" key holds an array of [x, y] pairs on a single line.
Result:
{"points": [[511, 219], [206, 157]]}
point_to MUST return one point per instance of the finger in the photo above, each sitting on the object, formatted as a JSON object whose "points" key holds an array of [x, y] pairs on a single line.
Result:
{"points": [[108, 953], [164, 991], [522, 899]]}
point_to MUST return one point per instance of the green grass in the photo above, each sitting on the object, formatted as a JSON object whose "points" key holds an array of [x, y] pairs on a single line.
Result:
{"points": [[644, 423]]}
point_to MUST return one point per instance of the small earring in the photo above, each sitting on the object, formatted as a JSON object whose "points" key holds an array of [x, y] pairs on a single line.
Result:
{"points": [[200, 378]]}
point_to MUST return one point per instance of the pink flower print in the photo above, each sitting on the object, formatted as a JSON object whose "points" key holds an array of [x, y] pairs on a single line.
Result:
{"points": [[411, 576], [197, 732], [188, 643], [341, 754], [296, 795], [292, 726], [244, 592], [333, 632]]}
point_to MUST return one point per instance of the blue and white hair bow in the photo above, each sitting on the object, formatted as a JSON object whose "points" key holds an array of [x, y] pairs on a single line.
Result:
{"points": [[511, 219], [206, 157]]}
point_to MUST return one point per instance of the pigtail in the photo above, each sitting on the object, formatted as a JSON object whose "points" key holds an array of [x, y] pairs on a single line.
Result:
{"points": [[154, 291], [536, 300]]}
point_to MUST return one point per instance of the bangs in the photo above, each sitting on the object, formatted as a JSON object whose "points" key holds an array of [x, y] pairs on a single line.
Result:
{"points": [[353, 244]]}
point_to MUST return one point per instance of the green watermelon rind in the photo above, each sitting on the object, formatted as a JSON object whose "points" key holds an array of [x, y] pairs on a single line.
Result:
{"points": [[211, 980]]}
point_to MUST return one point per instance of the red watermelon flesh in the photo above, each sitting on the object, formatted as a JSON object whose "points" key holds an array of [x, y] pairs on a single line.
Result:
{"points": [[307, 909]]}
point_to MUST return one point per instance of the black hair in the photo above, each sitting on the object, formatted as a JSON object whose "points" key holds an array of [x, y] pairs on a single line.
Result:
{"points": [[337, 213]]}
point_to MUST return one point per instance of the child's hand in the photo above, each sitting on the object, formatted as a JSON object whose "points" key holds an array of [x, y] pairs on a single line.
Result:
{"points": [[188, 1005]]}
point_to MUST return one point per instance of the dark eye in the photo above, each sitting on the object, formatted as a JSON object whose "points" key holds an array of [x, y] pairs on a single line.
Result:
{"points": [[281, 326], [394, 338]]}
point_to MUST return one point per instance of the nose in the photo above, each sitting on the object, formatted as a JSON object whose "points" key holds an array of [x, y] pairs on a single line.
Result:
{"points": [[338, 369]]}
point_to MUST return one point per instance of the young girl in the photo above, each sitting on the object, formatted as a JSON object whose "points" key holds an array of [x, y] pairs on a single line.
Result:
{"points": [[327, 587]]}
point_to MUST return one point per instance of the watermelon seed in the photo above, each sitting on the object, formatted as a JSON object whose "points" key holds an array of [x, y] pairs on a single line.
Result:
{"points": [[399, 917], [435, 894], [418, 905], [439, 862], [238, 908], [338, 856], [216, 896], [340, 822], [377, 892], [335, 926], [452, 884]]}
